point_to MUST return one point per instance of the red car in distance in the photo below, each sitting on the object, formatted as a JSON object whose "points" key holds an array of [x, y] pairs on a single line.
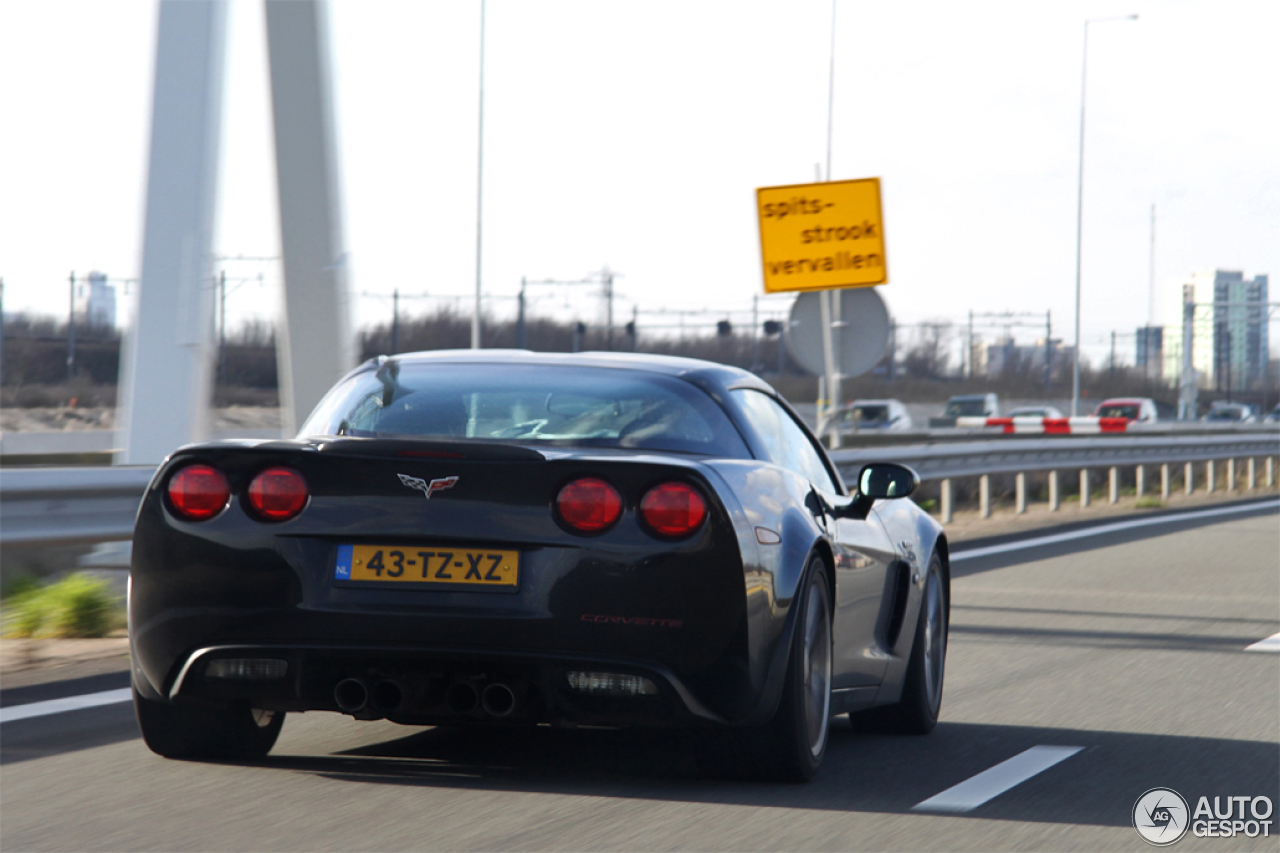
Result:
{"points": [[1133, 409]]}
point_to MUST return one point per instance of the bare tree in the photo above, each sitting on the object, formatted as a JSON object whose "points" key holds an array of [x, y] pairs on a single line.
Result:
{"points": [[929, 355]]}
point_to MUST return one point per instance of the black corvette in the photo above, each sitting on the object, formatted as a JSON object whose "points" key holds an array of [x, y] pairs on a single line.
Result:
{"points": [[507, 537]]}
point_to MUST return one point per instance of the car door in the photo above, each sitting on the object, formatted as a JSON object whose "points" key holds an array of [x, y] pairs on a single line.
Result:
{"points": [[863, 551]]}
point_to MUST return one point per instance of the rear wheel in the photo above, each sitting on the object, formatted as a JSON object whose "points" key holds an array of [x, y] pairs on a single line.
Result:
{"points": [[798, 733], [234, 731]]}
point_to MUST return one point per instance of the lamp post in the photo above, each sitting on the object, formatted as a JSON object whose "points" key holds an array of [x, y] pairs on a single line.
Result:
{"points": [[1084, 79], [475, 318]]}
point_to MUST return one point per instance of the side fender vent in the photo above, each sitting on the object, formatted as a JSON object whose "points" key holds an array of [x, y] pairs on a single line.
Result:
{"points": [[901, 574]]}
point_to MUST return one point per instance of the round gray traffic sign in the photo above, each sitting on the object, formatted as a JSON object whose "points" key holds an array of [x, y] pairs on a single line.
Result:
{"points": [[858, 341]]}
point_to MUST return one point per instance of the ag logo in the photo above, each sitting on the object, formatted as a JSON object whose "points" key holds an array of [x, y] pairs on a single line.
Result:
{"points": [[1160, 816]]}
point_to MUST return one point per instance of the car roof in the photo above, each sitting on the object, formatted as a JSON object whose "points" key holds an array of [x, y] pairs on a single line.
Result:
{"points": [[724, 375], [1124, 401], [884, 402], [971, 396]]}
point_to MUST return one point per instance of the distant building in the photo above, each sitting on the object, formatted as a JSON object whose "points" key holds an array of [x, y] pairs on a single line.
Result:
{"points": [[1149, 349], [96, 302], [1004, 356], [1240, 342], [1229, 330]]}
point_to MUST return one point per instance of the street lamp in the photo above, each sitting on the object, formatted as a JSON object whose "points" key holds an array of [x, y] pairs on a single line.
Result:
{"points": [[1084, 78]]}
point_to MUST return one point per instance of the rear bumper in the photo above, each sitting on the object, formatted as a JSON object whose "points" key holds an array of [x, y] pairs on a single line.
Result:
{"points": [[427, 683]]}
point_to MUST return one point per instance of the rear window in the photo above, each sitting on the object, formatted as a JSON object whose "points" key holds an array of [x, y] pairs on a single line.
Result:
{"points": [[1119, 410], [527, 404], [967, 408], [871, 414]]}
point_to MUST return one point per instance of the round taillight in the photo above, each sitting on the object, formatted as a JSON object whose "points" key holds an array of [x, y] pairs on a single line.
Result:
{"points": [[674, 509], [589, 505], [198, 492], [278, 494]]}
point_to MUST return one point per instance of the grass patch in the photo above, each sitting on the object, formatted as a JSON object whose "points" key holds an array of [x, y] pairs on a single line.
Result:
{"points": [[1148, 502], [77, 606]]}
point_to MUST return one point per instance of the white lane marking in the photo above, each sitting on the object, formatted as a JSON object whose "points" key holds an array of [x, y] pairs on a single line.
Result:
{"points": [[1270, 644], [70, 703], [1108, 528], [976, 790]]}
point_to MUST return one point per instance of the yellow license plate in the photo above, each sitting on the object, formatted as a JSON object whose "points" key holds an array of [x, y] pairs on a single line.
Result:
{"points": [[433, 566]]}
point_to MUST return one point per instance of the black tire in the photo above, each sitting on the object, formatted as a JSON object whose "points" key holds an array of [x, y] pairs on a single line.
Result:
{"points": [[196, 731], [797, 736], [916, 713]]}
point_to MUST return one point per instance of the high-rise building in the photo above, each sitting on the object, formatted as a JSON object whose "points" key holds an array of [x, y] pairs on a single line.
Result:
{"points": [[1149, 346], [1239, 330], [1229, 328], [96, 304]]}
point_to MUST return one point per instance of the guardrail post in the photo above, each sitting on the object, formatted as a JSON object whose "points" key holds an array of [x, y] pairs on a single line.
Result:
{"points": [[1251, 475], [1055, 499], [1190, 478], [1021, 485], [1231, 474], [1140, 480], [984, 495], [1084, 487], [945, 498], [1164, 482], [1211, 475], [1114, 483], [1271, 471]]}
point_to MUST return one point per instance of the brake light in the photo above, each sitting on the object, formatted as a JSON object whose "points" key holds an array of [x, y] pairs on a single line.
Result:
{"points": [[589, 505], [673, 510], [278, 494], [198, 492]]}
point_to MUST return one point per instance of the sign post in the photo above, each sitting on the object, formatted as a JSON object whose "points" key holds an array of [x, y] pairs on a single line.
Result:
{"points": [[823, 236]]}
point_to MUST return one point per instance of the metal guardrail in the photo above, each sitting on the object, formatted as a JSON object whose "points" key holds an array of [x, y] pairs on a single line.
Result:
{"points": [[56, 506], [14, 445], [67, 506], [1020, 456], [1014, 455]]}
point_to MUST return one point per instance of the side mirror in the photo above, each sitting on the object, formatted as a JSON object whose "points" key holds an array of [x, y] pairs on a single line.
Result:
{"points": [[886, 480]]}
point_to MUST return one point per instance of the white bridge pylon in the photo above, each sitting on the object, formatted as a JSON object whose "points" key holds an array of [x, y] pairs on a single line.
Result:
{"points": [[166, 375]]}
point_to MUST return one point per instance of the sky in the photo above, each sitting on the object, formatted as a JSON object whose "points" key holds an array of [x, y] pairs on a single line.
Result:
{"points": [[632, 135]]}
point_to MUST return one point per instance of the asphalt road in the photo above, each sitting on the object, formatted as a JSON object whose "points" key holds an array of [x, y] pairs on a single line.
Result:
{"points": [[1128, 645]]}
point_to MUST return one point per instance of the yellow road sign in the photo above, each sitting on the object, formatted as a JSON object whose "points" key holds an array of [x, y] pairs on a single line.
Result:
{"points": [[820, 236]]}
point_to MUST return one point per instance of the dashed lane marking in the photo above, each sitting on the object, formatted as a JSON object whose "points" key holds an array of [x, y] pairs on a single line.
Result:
{"points": [[69, 703], [1270, 644], [993, 782], [1109, 528]]}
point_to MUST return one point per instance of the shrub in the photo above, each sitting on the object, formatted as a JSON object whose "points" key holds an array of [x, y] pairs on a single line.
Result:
{"points": [[78, 606], [18, 587]]}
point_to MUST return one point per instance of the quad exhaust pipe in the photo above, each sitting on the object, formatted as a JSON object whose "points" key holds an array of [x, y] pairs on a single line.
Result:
{"points": [[387, 696], [352, 695], [498, 699], [462, 697], [357, 698]]}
